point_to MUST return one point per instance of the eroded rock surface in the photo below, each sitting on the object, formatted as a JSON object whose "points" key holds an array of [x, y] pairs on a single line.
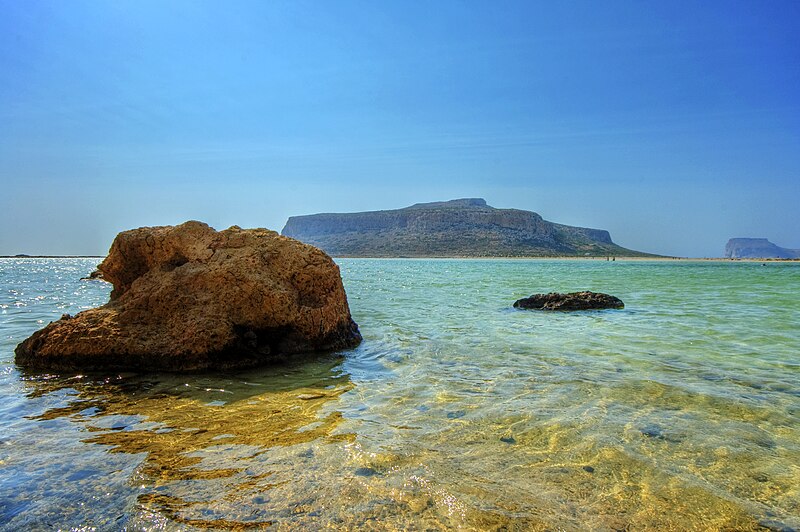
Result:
{"points": [[191, 298], [96, 275], [571, 301]]}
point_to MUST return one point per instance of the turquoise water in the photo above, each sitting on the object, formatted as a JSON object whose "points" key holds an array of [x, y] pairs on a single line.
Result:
{"points": [[680, 412]]}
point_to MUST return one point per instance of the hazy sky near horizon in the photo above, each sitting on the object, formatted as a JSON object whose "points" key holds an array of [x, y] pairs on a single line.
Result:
{"points": [[674, 125]]}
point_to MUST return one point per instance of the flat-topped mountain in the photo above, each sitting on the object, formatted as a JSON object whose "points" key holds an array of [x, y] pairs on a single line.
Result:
{"points": [[457, 228], [757, 248]]}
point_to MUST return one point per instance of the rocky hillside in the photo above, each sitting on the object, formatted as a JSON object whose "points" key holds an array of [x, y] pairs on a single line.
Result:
{"points": [[457, 228], [758, 248]]}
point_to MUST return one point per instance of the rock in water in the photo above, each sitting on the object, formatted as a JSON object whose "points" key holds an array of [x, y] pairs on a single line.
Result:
{"points": [[96, 275], [571, 301], [191, 298]]}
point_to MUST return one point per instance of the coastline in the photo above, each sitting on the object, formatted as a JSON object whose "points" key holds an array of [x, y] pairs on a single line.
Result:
{"points": [[443, 257], [570, 258]]}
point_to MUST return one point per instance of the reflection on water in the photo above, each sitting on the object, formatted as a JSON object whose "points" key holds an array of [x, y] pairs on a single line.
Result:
{"points": [[456, 412], [202, 436]]}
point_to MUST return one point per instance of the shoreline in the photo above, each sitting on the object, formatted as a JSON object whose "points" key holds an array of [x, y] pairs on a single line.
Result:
{"points": [[438, 257], [562, 258]]}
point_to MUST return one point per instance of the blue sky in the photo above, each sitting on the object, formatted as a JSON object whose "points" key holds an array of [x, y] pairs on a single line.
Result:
{"points": [[674, 125]]}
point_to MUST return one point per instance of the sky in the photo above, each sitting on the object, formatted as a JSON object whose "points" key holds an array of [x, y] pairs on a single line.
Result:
{"points": [[674, 125]]}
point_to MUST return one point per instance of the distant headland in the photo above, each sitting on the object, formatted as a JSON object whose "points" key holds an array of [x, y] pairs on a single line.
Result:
{"points": [[465, 227], [757, 248]]}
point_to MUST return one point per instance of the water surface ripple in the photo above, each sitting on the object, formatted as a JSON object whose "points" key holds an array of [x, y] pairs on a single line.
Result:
{"points": [[680, 412]]}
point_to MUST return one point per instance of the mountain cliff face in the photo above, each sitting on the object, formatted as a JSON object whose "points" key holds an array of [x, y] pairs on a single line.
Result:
{"points": [[458, 228], [757, 248]]}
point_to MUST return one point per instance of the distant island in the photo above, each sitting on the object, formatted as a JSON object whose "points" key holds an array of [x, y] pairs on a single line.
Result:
{"points": [[757, 248], [458, 228]]}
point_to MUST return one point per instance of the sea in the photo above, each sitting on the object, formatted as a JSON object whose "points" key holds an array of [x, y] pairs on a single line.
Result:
{"points": [[457, 412]]}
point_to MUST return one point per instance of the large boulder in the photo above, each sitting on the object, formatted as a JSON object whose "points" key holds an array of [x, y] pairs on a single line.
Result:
{"points": [[191, 298], [571, 301]]}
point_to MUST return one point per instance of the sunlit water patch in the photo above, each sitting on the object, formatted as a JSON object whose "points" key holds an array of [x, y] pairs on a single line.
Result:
{"points": [[681, 411]]}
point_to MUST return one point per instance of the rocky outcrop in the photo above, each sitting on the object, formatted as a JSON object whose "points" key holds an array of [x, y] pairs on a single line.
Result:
{"points": [[571, 301], [757, 248], [458, 228], [96, 275], [191, 298]]}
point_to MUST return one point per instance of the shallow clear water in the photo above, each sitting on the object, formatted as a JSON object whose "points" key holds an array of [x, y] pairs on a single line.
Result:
{"points": [[680, 412]]}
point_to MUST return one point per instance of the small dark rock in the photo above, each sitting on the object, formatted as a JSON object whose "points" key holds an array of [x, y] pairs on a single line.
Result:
{"points": [[657, 433], [310, 396], [766, 443], [96, 275], [308, 453], [774, 525], [652, 431], [571, 301], [588, 469]]}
